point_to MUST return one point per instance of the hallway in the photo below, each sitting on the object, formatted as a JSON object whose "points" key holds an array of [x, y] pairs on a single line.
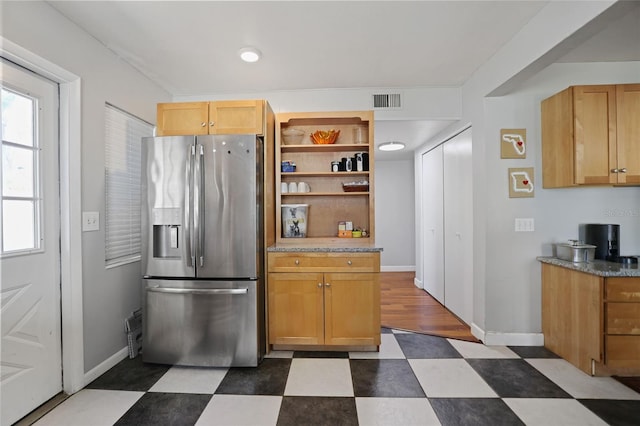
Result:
{"points": [[406, 307]]}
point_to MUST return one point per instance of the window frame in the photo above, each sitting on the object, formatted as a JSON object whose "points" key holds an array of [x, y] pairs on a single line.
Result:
{"points": [[36, 198]]}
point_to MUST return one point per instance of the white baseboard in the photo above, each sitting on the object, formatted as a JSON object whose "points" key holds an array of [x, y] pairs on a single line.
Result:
{"points": [[411, 268], [477, 332], [418, 283], [493, 338], [105, 366]]}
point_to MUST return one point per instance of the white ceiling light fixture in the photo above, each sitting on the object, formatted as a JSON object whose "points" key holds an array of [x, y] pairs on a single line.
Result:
{"points": [[391, 146], [250, 54]]}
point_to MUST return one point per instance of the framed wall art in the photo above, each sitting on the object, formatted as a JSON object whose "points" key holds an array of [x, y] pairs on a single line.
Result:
{"points": [[513, 143], [521, 182]]}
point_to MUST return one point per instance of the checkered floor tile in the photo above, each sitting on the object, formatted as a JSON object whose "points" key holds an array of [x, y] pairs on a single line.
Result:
{"points": [[413, 380]]}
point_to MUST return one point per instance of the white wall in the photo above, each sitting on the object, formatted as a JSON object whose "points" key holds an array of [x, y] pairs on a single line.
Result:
{"points": [[109, 296], [395, 214]]}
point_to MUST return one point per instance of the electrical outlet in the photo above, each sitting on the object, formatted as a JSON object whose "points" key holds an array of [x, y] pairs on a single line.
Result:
{"points": [[90, 221], [524, 224]]}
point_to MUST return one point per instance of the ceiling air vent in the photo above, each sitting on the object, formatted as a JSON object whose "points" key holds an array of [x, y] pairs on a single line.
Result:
{"points": [[387, 101]]}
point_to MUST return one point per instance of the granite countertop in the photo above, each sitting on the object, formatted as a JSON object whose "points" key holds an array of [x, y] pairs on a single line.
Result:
{"points": [[324, 249], [601, 268]]}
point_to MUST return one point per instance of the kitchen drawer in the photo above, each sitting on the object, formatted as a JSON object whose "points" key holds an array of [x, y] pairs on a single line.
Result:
{"points": [[324, 262], [623, 289], [623, 352], [623, 318]]}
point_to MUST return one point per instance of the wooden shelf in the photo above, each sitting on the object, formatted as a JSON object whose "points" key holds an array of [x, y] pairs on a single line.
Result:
{"points": [[336, 147], [327, 203], [323, 194], [324, 174]]}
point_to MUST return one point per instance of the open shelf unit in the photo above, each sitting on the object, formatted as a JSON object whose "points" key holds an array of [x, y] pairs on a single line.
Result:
{"points": [[328, 203]]}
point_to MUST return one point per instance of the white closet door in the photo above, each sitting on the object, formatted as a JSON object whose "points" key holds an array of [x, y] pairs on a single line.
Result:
{"points": [[432, 219], [458, 226]]}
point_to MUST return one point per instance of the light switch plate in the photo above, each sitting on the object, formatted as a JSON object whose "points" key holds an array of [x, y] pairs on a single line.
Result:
{"points": [[525, 224], [90, 221]]}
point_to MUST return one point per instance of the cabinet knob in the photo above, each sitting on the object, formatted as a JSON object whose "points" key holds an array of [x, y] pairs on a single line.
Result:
{"points": [[328, 284], [211, 123], [297, 262], [623, 170], [203, 124], [349, 262], [319, 285]]}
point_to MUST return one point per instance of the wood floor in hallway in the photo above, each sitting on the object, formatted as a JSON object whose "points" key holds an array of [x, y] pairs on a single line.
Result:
{"points": [[406, 307]]}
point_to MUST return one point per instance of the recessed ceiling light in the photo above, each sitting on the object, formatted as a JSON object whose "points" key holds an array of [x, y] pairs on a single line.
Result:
{"points": [[391, 146], [249, 54]]}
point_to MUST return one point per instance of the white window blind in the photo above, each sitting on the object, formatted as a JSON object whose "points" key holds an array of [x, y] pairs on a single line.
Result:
{"points": [[123, 133]]}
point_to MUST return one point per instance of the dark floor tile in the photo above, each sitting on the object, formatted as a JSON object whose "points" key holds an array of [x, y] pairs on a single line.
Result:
{"points": [[320, 354], [515, 378], [155, 408], [632, 382], [420, 346], [385, 330], [473, 412], [313, 410], [130, 375], [269, 378], [533, 352], [384, 378], [615, 412]]}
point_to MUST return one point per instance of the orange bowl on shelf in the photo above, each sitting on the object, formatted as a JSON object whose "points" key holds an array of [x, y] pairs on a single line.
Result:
{"points": [[325, 137]]}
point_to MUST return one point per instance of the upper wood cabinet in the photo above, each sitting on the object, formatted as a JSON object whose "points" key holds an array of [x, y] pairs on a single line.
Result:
{"points": [[218, 117], [591, 136]]}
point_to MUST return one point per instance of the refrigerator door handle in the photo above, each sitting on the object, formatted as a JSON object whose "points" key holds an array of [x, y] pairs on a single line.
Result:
{"points": [[215, 291], [201, 202], [188, 190]]}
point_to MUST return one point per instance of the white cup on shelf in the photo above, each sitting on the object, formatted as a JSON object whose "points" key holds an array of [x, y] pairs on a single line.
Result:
{"points": [[303, 187], [293, 187], [284, 188]]}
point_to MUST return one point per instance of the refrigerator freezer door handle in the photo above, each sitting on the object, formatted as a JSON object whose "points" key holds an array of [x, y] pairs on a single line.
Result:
{"points": [[188, 191], [201, 202], [218, 291]]}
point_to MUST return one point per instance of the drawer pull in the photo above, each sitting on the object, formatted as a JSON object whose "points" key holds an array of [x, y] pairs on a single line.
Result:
{"points": [[349, 262], [203, 124], [328, 284], [319, 285], [297, 262]]}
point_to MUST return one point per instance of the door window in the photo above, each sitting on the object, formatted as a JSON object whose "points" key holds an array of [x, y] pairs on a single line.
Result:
{"points": [[20, 208]]}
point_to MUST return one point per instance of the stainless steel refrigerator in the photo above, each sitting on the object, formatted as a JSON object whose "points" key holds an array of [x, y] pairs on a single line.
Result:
{"points": [[202, 260]]}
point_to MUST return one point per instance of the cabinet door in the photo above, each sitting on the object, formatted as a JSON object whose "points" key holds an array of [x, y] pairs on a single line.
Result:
{"points": [[236, 117], [628, 137], [572, 317], [182, 118], [352, 309], [595, 134], [296, 308]]}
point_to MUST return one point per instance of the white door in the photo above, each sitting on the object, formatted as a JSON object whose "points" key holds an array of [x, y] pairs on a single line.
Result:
{"points": [[458, 226], [29, 243], [432, 219]]}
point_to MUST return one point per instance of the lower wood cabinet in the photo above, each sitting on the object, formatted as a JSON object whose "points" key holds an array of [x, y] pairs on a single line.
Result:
{"points": [[332, 308], [592, 321]]}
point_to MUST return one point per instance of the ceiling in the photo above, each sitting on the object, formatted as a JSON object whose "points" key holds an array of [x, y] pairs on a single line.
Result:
{"points": [[191, 47]]}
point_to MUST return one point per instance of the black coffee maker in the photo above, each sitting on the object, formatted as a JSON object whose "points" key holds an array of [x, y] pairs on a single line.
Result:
{"points": [[606, 238]]}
